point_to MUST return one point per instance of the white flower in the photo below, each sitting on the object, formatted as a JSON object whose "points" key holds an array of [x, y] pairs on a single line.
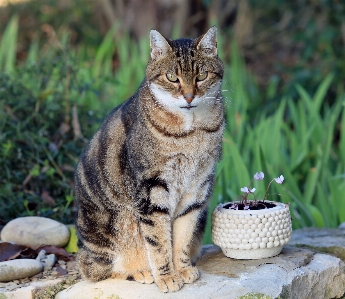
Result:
{"points": [[247, 190], [259, 176], [279, 179]]}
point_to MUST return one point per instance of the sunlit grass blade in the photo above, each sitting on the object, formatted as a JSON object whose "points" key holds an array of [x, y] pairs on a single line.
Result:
{"points": [[8, 46]]}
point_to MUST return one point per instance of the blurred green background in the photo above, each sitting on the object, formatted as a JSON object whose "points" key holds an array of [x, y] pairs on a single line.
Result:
{"points": [[65, 64]]}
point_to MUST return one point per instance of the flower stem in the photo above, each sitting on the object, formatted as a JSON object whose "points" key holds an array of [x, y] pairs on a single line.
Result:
{"points": [[267, 189]]}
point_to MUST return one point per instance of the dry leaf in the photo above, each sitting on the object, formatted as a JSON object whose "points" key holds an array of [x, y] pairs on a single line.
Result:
{"points": [[47, 198], [9, 251], [61, 271]]}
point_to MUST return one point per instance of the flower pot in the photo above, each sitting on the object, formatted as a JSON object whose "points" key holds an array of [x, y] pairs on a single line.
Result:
{"points": [[251, 234]]}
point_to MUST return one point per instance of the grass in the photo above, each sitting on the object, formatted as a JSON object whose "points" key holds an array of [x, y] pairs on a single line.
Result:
{"points": [[303, 139]]}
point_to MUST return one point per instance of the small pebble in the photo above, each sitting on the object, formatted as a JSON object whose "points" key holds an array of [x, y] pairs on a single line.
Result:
{"points": [[39, 275], [71, 265], [41, 255], [49, 261], [61, 262]]}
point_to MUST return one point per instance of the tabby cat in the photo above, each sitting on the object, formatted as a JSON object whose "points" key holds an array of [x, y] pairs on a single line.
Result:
{"points": [[144, 181]]}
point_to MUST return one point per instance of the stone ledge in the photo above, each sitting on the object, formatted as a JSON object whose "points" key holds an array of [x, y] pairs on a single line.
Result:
{"points": [[301, 271], [295, 273], [326, 240]]}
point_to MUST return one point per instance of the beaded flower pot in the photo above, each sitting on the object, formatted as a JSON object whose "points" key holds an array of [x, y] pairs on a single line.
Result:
{"points": [[251, 234]]}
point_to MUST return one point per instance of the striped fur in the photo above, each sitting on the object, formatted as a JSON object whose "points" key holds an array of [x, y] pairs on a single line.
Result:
{"points": [[144, 181]]}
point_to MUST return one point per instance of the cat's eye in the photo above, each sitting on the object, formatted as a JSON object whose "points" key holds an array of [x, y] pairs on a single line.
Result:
{"points": [[202, 76], [172, 77]]}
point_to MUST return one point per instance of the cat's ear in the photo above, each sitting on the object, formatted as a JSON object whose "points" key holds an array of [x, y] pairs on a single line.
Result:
{"points": [[159, 45], [208, 42]]}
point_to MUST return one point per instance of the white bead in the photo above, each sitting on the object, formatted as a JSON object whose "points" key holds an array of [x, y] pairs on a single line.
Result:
{"points": [[255, 245], [257, 220], [276, 243], [270, 245], [271, 239], [264, 220], [274, 233], [262, 245], [258, 240], [265, 240], [262, 234], [244, 241], [269, 234]]}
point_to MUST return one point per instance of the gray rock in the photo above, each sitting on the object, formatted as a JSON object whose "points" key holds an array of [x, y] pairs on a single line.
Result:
{"points": [[342, 226], [327, 240], [41, 255], [35, 231], [295, 273], [17, 269], [49, 261]]}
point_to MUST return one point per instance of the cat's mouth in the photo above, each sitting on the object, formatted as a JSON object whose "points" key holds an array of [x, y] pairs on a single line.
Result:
{"points": [[188, 107]]}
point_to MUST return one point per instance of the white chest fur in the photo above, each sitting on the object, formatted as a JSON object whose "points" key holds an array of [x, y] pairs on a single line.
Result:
{"points": [[199, 114]]}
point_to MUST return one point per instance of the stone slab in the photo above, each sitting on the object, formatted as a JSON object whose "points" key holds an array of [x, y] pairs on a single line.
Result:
{"points": [[22, 293], [327, 240], [28, 292], [295, 273]]}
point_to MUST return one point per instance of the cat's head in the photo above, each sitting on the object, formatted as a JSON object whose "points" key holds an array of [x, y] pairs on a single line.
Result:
{"points": [[185, 74]]}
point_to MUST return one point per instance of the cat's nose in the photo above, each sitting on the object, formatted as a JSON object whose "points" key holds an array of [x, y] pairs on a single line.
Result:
{"points": [[188, 97]]}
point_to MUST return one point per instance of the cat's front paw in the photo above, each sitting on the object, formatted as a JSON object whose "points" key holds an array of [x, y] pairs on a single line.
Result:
{"points": [[189, 274], [169, 283], [143, 277]]}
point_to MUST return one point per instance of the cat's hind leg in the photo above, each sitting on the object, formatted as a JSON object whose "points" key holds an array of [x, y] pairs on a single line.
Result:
{"points": [[94, 266]]}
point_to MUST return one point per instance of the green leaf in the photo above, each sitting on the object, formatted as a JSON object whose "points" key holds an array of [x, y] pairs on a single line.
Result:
{"points": [[72, 246]]}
